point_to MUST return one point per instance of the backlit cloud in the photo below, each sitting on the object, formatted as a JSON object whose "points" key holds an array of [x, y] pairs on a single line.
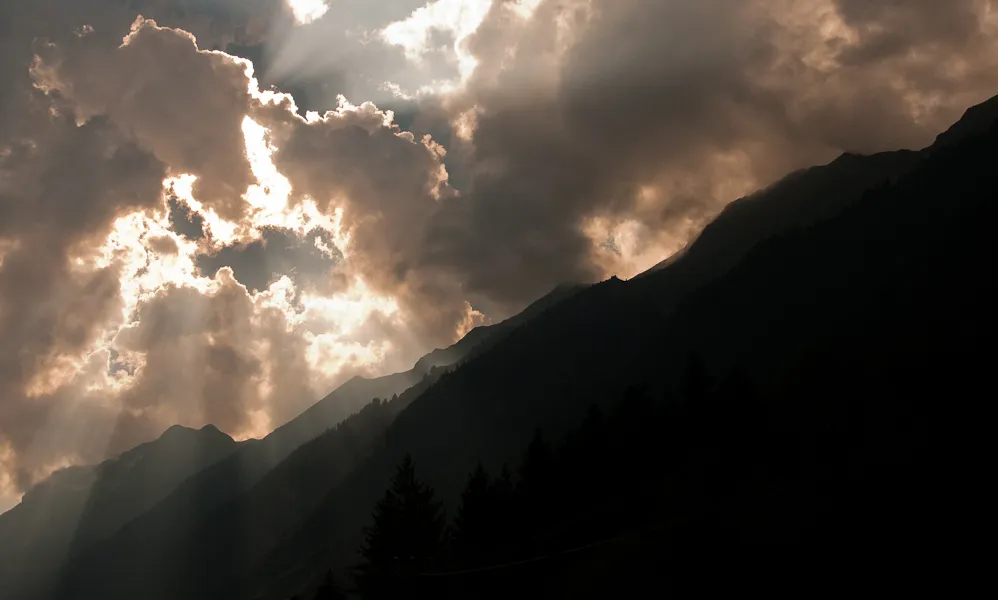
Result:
{"points": [[182, 243], [306, 11]]}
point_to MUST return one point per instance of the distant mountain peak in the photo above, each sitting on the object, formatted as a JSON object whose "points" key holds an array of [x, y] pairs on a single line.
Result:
{"points": [[177, 430], [182, 432], [211, 429]]}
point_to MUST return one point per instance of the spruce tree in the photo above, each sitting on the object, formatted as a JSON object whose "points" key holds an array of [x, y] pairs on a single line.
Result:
{"points": [[330, 589], [474, 523], [405, 538], [505, 522], [534, 492]]}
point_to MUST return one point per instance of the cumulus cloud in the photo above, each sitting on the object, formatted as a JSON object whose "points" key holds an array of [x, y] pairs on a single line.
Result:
{"points": [[180, 243], [184, 106], [130, 163]]}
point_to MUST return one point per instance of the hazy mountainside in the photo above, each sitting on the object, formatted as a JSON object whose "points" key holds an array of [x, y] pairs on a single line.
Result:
{"points": [[70, 512], [904, 273], [357, 392], [801, 198], [271, 482], [902, 269], [797, 200], [80, 505], [480, 339]]}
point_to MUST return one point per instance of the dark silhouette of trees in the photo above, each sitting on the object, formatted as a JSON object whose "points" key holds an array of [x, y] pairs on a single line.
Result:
{"points": [[330, 589], [474, 532], [405, 539], [534, 492]]}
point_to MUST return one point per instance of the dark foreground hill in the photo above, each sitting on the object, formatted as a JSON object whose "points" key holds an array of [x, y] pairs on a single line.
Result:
{"points": [[862, 319]]}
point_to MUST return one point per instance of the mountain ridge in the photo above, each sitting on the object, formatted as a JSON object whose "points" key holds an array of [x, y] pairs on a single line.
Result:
{"points": [[80, 505], [636, 330], [494, 418], [442, 457]]}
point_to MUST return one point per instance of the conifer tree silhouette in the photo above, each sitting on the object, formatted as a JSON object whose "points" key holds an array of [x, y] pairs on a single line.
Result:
{"points": [[330, 589], [534, 492], [405, 538], [475, 520]]}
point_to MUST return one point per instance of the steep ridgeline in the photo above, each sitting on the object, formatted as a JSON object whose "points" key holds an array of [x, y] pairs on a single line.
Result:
{"points": [[357, 392], [282, 478], [80, 505], [818, 288], [885, 298]]}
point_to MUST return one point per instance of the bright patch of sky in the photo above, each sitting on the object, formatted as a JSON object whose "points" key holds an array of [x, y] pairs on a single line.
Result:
{"points": [[306, 11], [457, 19]]}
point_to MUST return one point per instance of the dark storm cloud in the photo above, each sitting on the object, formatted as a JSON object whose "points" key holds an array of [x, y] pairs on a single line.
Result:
{"points": [[699, 101]]}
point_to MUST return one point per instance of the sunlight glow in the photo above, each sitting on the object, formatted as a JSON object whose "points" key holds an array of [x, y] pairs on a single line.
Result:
{"points": [[627, 247], [270, 196], [307, 11], [414, 34], [9, 495], [525, 8]]}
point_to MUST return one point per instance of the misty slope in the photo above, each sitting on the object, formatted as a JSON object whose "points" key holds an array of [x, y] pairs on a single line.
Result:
{"points": [[480, 339], [80, 505], [279, 472], [731, 298], [357, 392], [905, 272]]}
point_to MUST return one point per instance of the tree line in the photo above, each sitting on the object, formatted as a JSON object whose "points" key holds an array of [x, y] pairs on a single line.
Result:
{"points": [[625, 474], [709, 486]]}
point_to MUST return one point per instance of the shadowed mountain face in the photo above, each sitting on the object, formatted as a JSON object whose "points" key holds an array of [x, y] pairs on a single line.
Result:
{"points": [[880, 314], [80, 505], [869, 279], [900, 271]]}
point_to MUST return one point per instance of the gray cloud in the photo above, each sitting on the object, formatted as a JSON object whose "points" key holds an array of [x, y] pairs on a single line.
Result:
{"points": [[604, 102], [279, 252], [388, 185], [605, 133], [64, 179], [341, 53], [192, 122]]}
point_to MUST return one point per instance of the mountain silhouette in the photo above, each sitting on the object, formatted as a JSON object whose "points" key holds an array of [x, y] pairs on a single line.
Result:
{"points": [[81, 505], [855, 269], [846, 292], [215, 492]]}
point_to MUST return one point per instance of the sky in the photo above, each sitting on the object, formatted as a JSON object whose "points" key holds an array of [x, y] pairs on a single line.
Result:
{"points": [[216, 211]]}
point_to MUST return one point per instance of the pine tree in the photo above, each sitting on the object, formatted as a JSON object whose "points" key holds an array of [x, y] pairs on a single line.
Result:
{"points": [[474, 523], [405, 538], [330, 589], [505, 522], [696, 383], [536, 466], [534, 493]]}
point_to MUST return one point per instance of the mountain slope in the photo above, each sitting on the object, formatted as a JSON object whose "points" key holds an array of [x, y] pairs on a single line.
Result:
{"points": [[905, 271], [270, 482], [862, 269], [80, 505], [357, 392]]}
